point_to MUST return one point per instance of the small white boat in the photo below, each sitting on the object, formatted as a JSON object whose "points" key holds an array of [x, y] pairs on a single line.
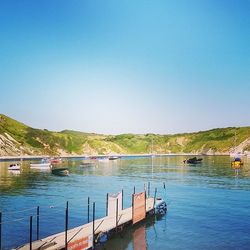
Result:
{"points": [[103, 159], [15, 166], [40, 166]]}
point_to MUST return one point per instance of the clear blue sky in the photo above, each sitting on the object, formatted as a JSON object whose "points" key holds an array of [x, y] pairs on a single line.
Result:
{"points": [[126, 66]]}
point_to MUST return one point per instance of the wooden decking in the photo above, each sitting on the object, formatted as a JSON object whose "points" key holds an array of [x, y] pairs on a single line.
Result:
{"points": [[105, 224]]}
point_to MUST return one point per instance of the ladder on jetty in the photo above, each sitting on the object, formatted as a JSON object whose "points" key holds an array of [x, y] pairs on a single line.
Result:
{"points": [[82, 237]]}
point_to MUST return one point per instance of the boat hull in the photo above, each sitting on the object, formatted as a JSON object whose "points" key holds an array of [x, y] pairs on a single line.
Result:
{"points": [[60, 171], [236, 164], [40, 166]]}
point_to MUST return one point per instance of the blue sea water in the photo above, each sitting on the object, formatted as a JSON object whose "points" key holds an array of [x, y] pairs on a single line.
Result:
{"points": [[208, 203]]}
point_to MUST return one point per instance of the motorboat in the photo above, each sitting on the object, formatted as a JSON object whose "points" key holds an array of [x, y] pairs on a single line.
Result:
{"points": [[60, 171], [14, 167], [112, 158], [193, 160], [236, 163]]}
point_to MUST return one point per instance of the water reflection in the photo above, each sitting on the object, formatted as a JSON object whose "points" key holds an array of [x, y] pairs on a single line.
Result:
{"points": [[132, 237], [139, 238], [14, 172]]}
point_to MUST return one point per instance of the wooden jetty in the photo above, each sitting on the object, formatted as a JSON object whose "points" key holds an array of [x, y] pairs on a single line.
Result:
{"points": [[85, 236]]}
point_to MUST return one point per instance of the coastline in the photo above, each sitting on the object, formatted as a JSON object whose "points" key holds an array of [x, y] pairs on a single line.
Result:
{"points": [[37, 157]]}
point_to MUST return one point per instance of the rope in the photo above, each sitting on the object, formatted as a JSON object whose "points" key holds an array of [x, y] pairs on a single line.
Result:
{"points": [[15, 220], [28, 209], [19, 211], [33, 208]]}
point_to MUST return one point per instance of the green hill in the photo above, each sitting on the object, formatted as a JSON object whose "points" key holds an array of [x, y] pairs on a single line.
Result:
{"points": [[19, 139]]}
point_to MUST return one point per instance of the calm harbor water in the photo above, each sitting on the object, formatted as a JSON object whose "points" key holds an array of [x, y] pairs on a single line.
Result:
{"points": [[208, 204]]}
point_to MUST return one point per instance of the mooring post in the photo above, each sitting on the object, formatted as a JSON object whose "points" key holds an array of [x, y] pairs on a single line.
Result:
{"points": [[66, 224], [122, 198], [165, 192], [145, 193], [155, 196], [116, 223], [0, 230], [31, 232], [132, 206], [93, 243], [148, 189], [134, 189], [37, 222], [107, 203], [88, 208]]}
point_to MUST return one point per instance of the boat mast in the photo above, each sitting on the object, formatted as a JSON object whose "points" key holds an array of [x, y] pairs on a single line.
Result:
{"points": [[235, 141], [152, 143]]}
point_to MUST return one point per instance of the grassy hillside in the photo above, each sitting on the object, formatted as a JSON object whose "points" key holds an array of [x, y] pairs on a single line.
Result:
{"points": [[18, 139]]}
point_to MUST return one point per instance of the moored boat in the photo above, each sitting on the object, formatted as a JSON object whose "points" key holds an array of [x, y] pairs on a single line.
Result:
{"points": [[193, 160], [55, 160], [14, 167], [111, 158], [236, 163], [40, 166], [103, 159], [87, 164], [60, 171]]}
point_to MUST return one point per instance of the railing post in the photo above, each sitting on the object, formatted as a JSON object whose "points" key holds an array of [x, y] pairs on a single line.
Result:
{"points": [[66, 224], [88, 208], [116, 222], [132, 207], [0, 230], [107, 203], [37, 222], [31, 232], [122, 198], [93, 243], [148, 189], [155, 196]]}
